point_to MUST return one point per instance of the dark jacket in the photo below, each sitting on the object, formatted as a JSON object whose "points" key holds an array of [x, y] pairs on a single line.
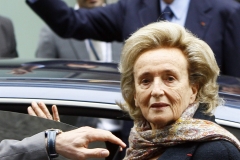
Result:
{"points": [[211, 150], [215, 21], [7, 39]]}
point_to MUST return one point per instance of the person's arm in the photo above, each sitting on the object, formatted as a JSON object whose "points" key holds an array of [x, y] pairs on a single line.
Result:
{"points": [[33, 148], [101, 23], [72, 144]]}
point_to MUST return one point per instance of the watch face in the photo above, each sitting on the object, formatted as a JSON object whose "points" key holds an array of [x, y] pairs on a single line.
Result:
{"points": [[58, 131]]}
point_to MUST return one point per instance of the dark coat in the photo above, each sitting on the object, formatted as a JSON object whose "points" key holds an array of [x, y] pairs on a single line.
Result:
{"points": [[211, 150], [215, 21], [7, 39]]}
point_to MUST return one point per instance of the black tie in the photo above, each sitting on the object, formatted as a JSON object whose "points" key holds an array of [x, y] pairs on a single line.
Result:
{"points": [[167, 14]]}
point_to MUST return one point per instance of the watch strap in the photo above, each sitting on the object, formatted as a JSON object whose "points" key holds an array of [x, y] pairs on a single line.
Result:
{"points": [[51, 139]]}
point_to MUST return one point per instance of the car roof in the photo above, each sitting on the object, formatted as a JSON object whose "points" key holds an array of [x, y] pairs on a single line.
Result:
{"points": [[68, 75], [56, 69]]}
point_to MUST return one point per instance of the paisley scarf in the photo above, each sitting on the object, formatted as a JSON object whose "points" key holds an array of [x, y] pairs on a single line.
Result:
{"points": [[145, 143]]}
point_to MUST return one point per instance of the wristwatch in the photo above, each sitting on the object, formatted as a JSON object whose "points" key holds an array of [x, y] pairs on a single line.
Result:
{"points": [[50, 134]]}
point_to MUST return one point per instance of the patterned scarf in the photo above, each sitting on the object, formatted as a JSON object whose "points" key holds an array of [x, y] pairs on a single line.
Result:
{"points": [[146, 143]]}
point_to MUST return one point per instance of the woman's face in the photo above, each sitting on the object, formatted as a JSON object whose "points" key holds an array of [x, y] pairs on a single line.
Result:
{"points": [[162, 86]]}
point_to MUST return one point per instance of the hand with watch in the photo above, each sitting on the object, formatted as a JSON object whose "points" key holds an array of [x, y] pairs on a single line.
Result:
{"points": [[69, 144]]}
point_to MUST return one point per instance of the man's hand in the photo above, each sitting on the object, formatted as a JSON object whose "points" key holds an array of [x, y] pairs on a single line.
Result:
{"points": [[74, 144], [40, 110]]}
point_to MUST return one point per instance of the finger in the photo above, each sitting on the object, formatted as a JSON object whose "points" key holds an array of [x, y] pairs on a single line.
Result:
{"points": [[45, 110], [55, 113], [104, 135], [38, 111], [31, 111], [95, 153]]}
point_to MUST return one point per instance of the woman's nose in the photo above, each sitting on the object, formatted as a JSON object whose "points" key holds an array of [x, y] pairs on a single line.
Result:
{"points": [[157, 89]]}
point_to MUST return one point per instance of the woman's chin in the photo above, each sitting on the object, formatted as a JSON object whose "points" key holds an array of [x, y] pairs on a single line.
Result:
{"points": [[159, 122]]}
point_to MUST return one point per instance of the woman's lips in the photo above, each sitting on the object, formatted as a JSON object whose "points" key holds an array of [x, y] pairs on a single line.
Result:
{"points": [[159, 105]]}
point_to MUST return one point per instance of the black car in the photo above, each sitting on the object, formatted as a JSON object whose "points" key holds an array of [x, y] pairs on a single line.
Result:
{"points": [[83, 89]]}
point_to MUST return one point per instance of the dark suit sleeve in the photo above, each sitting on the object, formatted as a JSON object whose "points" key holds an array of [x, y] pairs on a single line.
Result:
{"points": [[46, 45], [231, 46], [32, 148], [216, 150], [101, 23]]}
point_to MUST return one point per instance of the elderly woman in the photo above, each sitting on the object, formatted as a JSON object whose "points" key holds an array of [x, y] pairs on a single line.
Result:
{"points": [[168, 81]]}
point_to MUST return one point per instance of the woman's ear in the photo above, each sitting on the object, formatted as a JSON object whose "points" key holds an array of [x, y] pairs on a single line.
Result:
{"points": [[135, 100], [194, 92]]}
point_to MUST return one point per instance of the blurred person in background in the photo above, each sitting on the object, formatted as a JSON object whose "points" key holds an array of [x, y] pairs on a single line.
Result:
{"points": [[50, 45], [8, 47], [215, 21]]}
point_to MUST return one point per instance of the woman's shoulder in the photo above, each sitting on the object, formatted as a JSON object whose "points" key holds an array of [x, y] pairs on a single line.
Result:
{"points": [[219, 149]]}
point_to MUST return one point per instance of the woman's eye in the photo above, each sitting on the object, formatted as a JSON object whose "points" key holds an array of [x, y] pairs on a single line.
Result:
{"points": [[170, 78], [145, 81]]}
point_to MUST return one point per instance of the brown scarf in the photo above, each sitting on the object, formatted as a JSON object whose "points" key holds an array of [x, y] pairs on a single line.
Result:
{"points": [[146, 143]]}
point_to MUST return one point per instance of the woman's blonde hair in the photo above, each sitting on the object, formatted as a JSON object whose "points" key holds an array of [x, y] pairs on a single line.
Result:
{"points": [[202, 66]]}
